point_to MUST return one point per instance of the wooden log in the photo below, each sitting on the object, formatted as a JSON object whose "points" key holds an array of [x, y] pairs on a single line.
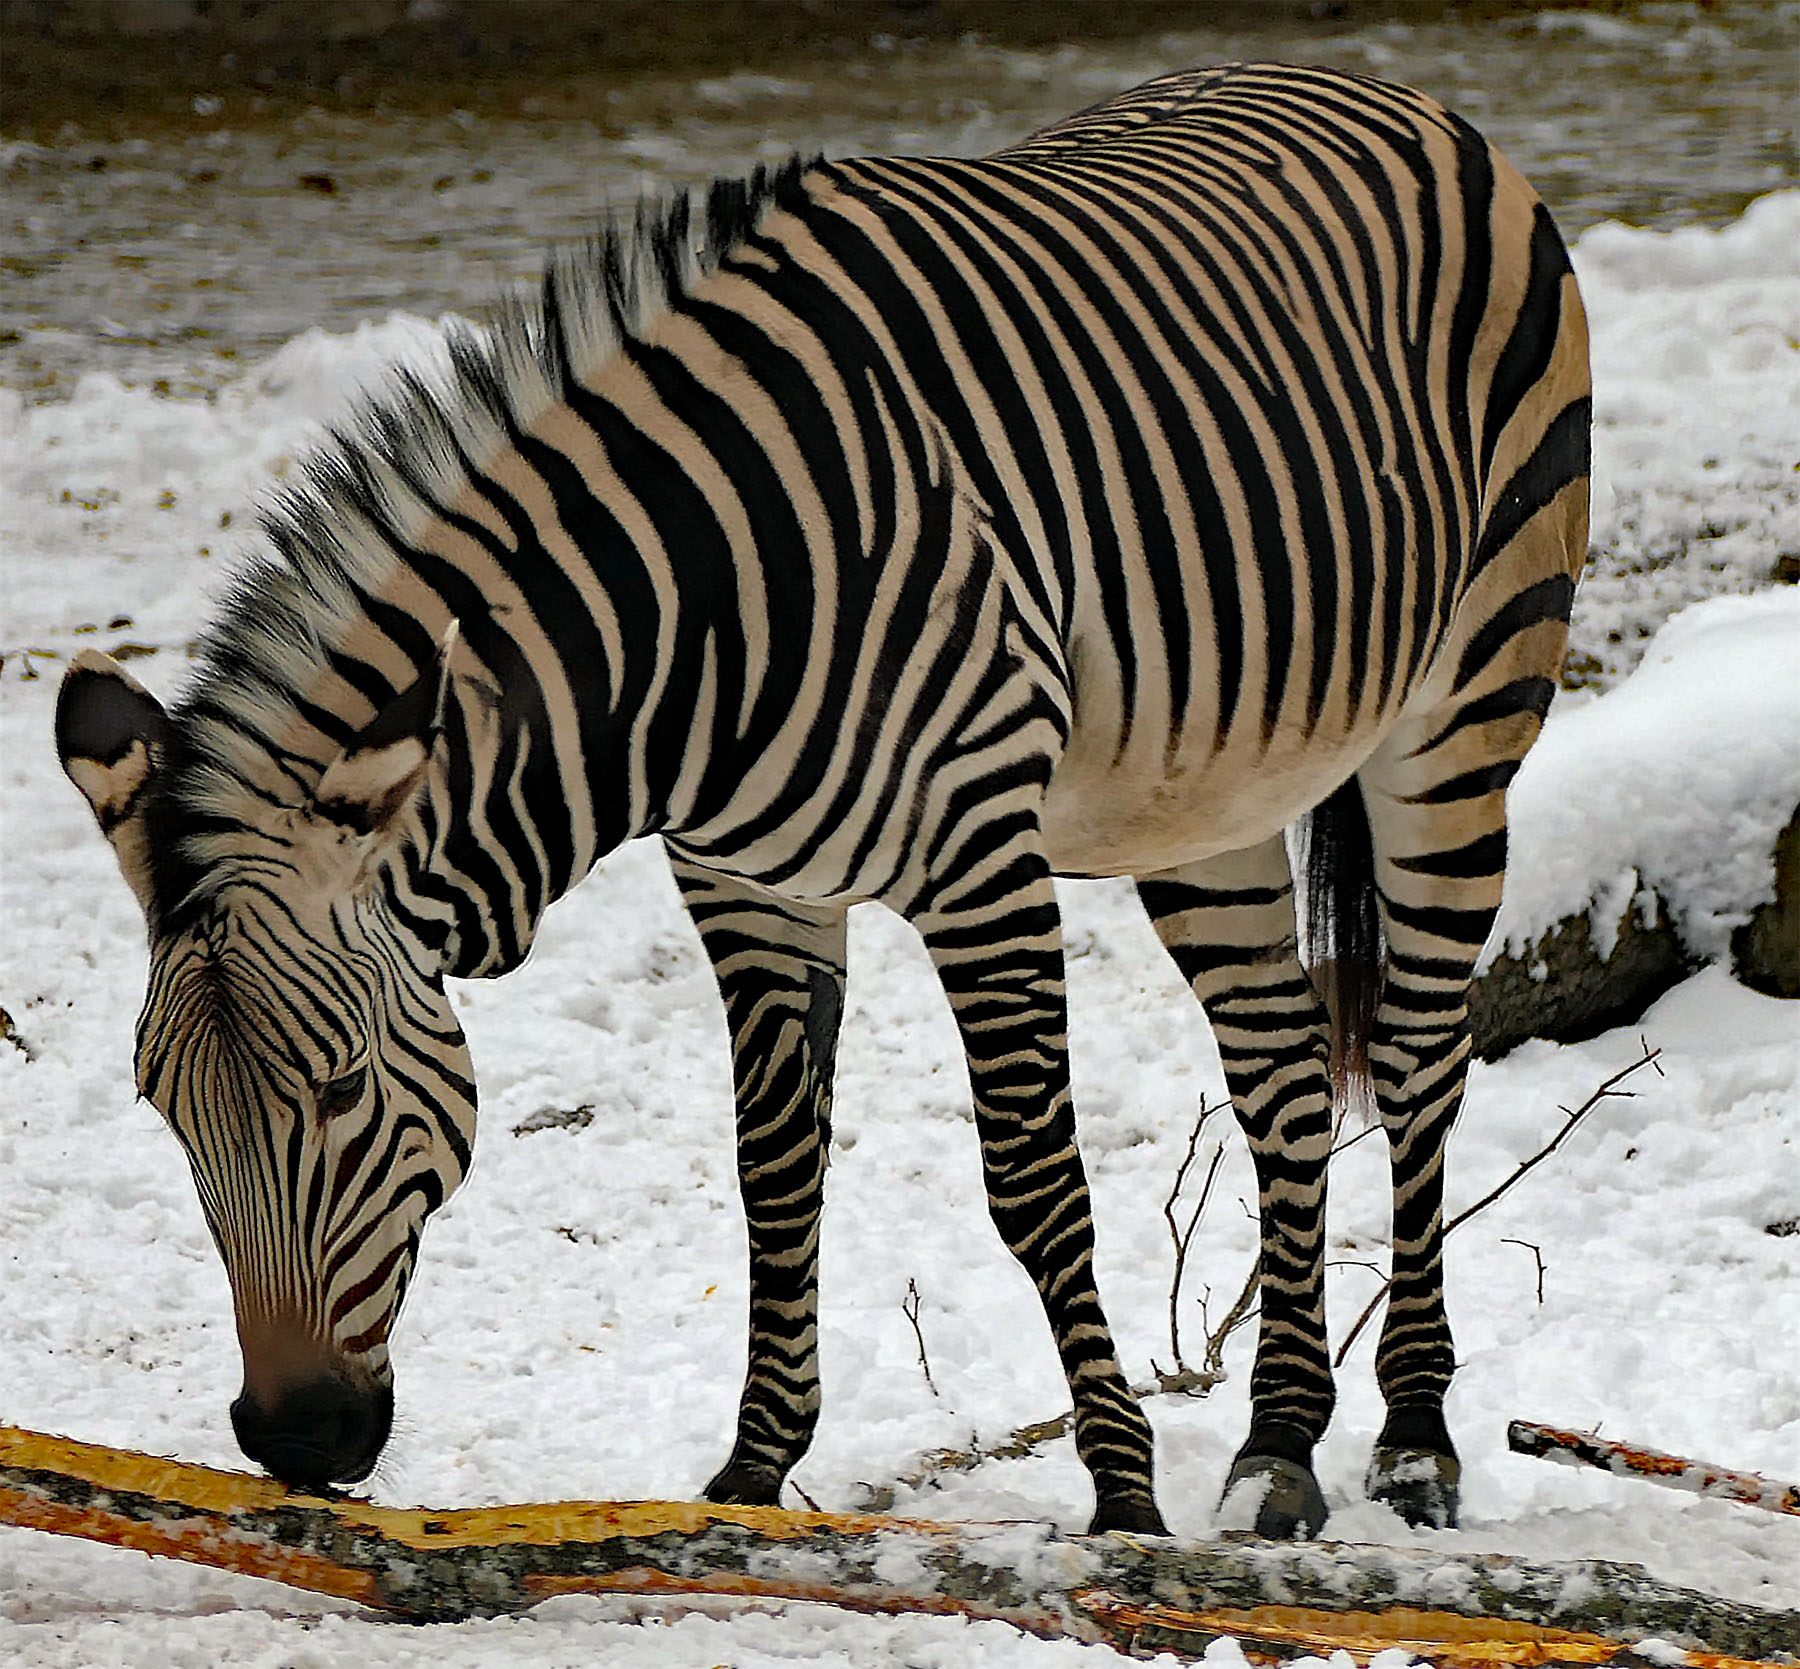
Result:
{"points": [[1275, 1597], [1699, 1477]]}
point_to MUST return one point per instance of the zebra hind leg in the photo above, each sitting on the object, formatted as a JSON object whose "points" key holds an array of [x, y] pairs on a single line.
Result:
{"points": [[780, 968], [1436, 796], [1229, 924]]}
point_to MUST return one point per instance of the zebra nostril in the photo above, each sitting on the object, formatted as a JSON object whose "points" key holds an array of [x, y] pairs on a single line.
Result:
{"points": [[326, 1431]]}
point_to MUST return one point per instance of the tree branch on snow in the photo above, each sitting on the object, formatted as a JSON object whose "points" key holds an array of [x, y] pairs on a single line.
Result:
{"points": [[1700, 1477], [1182, 1381], [1606, 1091], [1181, 1239], [1537, 1253], [1135, 1593], [1026, 1440], [909, 1305]]}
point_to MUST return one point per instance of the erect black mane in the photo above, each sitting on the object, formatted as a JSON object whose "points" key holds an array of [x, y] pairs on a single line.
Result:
{"points": [[407, 451]]}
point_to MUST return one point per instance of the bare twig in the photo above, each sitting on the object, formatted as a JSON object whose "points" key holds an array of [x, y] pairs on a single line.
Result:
{"points": [[1537, 1252], [1026, 1440], [1606, 1091], [1239, 1313], [1185, 1381], [910, 1305], [1338, 1147], [1182, 1238]]}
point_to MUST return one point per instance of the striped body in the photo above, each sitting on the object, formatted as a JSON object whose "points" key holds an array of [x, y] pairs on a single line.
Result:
{"points": [[1213, 460]]}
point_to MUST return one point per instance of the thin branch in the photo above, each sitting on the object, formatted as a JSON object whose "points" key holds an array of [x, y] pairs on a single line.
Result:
{"points": [[1606, 1091], [1182, 1239], [1537, 1252], [1239, 1313], [910, 1306], [1028, 1439], [1338, 1147]]}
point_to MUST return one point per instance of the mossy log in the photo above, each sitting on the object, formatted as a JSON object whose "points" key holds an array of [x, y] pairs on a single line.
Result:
{"points": [[1276, 1598]]}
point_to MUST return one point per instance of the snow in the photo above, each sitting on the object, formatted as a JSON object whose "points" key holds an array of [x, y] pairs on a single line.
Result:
{"points": [[1679, 779], [576, 1329], [1695, 342]]}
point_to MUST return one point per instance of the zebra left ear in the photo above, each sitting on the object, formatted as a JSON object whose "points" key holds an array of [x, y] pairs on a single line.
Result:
{"points": [[375, 778], [113, 737]]}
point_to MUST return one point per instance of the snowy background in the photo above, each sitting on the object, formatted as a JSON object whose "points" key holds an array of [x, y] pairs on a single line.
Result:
{"points": [[576, 1327]]}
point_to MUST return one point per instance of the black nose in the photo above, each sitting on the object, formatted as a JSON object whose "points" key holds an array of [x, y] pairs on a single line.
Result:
{"points": [[324, 1431]]}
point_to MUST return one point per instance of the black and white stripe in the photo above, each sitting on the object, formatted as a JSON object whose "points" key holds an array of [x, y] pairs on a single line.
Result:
{"points": [[910, 530]]}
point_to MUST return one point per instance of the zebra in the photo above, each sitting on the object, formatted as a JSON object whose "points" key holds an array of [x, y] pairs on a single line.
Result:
{"points": [[1207, 466]]}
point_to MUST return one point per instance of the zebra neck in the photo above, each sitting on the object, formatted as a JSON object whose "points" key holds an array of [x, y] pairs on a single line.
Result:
{"points": [[561, 750], [545, 776]]}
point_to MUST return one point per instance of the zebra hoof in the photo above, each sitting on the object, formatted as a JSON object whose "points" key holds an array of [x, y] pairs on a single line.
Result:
{"points": [[1133, 1511], [1422, 1486], [745, 1484], [1292, 1506]]}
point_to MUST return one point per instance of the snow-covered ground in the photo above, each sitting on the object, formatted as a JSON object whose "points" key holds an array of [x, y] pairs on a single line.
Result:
{"points": [[576, 1328]]}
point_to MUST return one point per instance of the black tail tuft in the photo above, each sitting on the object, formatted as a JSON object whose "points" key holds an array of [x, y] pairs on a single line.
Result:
{"points": [[1344, 930]]}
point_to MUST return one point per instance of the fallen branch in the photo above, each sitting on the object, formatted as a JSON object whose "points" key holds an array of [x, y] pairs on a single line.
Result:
{"points": [[1537, 1255], [937, 1463], [1182, 1381], [1586, 1448], [1606, 1091], [1133, 1592], [1026, 1440]]}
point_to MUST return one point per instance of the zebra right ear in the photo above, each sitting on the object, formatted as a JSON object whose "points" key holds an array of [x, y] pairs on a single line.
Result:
{"points": [[113, 736], [380, 769]]}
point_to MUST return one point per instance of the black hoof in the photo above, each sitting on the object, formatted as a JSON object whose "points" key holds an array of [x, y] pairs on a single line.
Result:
{"points": [[1422, 1486], [1134, 1511], [745, 1484], [1292, 1507]]}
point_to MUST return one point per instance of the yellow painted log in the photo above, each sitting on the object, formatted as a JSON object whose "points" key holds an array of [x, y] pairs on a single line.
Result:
{"points": [[484, 1561]]}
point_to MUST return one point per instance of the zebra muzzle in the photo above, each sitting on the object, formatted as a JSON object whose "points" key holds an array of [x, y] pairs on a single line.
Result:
{"points": [[316, 1433]]}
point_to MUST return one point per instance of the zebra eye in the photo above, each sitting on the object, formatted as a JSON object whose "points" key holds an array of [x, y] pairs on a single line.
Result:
{"points": [[342, 1094]]}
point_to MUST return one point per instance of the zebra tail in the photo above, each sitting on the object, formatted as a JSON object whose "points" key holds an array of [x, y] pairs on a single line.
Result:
{"points": [[1344, 931]]}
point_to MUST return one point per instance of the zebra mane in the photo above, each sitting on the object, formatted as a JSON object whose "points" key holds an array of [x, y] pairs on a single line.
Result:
{"points": [[336, 536]]}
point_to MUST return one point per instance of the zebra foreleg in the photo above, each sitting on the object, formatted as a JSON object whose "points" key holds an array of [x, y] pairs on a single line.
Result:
{"points": [[1229, 925], [996, 940], [780, 968]]}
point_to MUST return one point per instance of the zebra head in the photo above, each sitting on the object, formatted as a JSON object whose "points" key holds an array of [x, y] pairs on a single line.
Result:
{"points": [[297, 1039]]}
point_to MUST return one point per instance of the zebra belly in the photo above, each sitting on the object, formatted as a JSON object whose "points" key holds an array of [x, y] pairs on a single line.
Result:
{"points": [[1107, 815]]}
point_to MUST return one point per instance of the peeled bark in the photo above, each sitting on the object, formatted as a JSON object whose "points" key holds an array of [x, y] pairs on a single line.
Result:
{"points": [[1698, 1477], [1144, 1592]]}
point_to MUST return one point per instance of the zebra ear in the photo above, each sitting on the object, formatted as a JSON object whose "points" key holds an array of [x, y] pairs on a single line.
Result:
{"points": [[113, 736], [375, 778]]}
